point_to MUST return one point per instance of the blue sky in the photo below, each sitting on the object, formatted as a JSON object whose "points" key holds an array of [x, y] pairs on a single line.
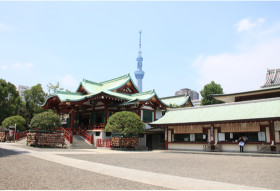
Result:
{"points": [[184, 44]]}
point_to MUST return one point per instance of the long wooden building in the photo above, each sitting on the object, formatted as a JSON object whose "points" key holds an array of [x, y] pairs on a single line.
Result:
{"points": [[254, 114]]}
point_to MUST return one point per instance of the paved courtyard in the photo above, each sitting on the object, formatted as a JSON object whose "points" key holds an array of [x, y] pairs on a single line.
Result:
{"points": [[25, 167]]}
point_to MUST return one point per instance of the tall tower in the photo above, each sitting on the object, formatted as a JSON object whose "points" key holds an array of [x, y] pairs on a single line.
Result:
{"points": [[139, 74]]}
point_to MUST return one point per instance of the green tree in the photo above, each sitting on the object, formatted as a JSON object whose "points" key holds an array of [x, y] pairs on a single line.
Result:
{"points": [[10, 101], [126, 123], [208, 90], [18, 120], [34, 98], [46, 121]]}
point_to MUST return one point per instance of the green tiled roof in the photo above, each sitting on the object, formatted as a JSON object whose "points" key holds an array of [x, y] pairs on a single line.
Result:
{"points": [[176, 100], [106, 87], [261, 109], [93, 87]]}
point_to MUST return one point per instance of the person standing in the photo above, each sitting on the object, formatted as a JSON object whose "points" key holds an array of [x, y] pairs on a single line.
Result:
{"points": [[241, 143]]}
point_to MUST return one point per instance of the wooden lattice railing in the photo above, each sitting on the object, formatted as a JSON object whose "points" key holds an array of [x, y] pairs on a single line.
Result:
{"points": [[87, 136], [93, 127], [67, 135]]}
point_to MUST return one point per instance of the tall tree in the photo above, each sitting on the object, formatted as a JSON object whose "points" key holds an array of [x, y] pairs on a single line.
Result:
{"points": [[34, 98], [10, 101], [212, 88]]}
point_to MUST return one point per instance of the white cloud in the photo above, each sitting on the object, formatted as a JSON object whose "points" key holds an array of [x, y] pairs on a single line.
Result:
{"points": [[21, 66], [69, 82], [246, 24], [243, 70], [4, 67], [29, 64], [4, 27], [17, 66]]}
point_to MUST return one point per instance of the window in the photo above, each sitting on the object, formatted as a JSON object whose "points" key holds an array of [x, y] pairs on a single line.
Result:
{"points": [[198, 137], [108, 134], [97, 134], [233, 137], [147, 116]]}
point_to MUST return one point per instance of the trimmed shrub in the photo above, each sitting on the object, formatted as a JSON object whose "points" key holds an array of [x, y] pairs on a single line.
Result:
{"points": [[18, 120], [126, 123], [46, 121]]}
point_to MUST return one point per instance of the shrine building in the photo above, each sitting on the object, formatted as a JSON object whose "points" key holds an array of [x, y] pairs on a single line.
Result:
{"points": [[93, 103], [254, 114]]}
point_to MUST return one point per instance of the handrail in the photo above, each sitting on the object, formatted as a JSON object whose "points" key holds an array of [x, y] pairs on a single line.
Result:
{"points": [[87, 136], [67, 135], [93, 127]]}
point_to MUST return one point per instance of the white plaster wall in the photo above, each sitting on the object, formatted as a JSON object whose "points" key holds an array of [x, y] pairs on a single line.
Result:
{"points": [[147, 107], [142, 141], [101, 136], [175, 146], [267, 134], [158, 113], [276, 136], [169, 135], [235, 147], [225, 147]]}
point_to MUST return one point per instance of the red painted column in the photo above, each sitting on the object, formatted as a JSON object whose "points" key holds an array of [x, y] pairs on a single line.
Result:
{"points": [[166, 138], [139, 112], [72, 124]]}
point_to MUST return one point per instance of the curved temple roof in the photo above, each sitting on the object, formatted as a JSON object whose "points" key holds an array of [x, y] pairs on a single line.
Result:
{"points": [[107, 87], [177, 100]]}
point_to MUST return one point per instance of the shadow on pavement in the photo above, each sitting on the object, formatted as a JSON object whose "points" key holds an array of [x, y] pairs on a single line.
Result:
{"points": [[6, 153]]}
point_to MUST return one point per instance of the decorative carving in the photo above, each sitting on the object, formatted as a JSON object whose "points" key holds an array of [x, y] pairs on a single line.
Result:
{"points": [[128, 83]]}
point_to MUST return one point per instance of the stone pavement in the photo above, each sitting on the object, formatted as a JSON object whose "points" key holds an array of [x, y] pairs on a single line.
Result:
{"points": [[157, 179]]}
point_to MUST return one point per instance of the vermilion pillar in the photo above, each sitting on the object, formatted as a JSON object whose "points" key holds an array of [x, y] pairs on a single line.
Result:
{"points": [[72, 124]]}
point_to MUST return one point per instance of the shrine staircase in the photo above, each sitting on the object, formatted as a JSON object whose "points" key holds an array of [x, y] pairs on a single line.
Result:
{"points": [[80, 143]]}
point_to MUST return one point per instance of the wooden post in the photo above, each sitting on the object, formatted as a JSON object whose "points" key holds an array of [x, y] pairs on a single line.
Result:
{"points": [[91, 139], [212, 136], [72, 124], [272, 132]]}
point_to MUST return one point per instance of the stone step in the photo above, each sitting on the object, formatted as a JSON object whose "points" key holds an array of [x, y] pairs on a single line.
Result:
{"points": [[80, 143]]}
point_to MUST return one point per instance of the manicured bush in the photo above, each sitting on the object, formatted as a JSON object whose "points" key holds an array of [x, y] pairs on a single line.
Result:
{"points": [[45, 121], [126, 123], [15, 120]]}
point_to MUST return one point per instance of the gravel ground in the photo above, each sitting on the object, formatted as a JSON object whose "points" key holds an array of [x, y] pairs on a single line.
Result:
{"points": [[22, 172], [244, 170]]}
